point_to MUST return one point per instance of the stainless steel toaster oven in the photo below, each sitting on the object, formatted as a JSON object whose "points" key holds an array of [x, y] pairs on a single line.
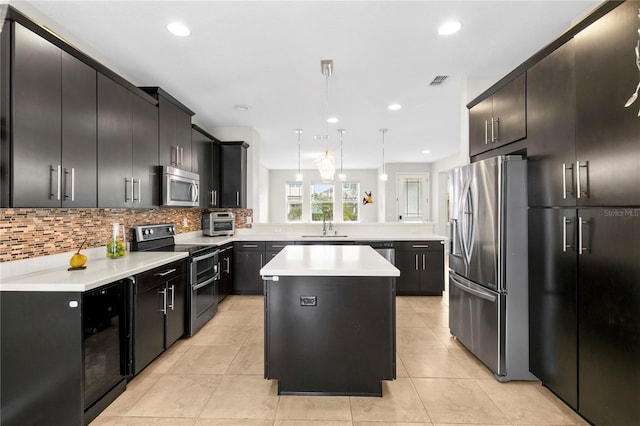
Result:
{"points": [[216, 224]]}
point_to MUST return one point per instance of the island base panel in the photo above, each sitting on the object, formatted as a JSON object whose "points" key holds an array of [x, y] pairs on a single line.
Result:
{"points": [[330, 335]]}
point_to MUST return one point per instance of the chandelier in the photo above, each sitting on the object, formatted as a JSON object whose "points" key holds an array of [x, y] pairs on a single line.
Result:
{"points": [[326, 166]]}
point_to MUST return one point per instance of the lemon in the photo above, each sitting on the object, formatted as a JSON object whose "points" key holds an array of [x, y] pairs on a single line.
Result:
{"points": [[78, 260]]}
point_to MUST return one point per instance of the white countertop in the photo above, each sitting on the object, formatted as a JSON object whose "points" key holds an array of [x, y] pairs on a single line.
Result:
{"points": [[329, 260], [98, 272], [218, 241]]}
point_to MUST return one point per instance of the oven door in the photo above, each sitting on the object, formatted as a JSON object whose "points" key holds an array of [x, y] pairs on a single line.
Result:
{"points": [[204, 303], [204, 279], [223, 226]]}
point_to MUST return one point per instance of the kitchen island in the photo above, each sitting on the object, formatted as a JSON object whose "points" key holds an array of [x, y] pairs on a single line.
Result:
{"points": [[329, 320]]}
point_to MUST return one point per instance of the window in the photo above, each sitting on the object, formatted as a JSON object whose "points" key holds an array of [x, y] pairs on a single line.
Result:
{"points": [[350, 202], [322, 196], [294, 202]]}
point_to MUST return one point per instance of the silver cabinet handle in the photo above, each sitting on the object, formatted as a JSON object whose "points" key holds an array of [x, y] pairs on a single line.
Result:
{"points": [[420, 246], [181, 155], [58, 184], [579, 192], [494, 131], [126, 185], [238, 199], [73, 184], [424, 266], [261, 260], [486, 132], [249, 246], [228, 268], [164, 300], [211, 193], [133, 190], [173, 296], [564, 181], [215, 197], [565, 222], [165, 273], [66, 173], [416, 262], [581, 249]]}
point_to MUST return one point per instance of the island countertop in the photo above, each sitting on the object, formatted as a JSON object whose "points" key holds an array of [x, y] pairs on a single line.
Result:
{"points": [[329, 260]]}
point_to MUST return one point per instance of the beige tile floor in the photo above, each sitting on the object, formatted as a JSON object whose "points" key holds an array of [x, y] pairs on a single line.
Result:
{"points": [[216, 378]]}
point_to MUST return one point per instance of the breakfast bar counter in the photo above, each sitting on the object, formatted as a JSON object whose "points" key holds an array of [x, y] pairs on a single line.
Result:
{"points": [[329, 320]]}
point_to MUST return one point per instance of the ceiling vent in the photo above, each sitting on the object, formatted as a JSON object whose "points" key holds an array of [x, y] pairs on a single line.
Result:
{"points": [[438, 80]]}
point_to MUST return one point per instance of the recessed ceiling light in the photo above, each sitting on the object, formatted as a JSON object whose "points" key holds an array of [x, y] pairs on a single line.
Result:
{"points": [[179, 29], [426, 151], [332, 120], [241, 107], [449, 28], [394, 107]]}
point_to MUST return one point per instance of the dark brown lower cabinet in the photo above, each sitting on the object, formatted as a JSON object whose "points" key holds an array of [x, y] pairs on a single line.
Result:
{"points": [[584, 283], [249, 258], [421, 265], [553, 304]]}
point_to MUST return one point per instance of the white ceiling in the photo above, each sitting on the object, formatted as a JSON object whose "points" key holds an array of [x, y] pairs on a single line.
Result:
{"points": [[267, 55]]}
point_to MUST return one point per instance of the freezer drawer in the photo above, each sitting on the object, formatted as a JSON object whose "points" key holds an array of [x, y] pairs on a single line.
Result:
{"points": [[476, 319]]}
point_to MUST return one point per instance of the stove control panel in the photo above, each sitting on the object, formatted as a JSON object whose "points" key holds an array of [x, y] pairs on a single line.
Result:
{"points": [[154, 232]]}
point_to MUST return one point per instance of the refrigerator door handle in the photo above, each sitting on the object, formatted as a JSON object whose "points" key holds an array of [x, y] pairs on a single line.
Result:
{"points": [[467, 289], [452, 235]]}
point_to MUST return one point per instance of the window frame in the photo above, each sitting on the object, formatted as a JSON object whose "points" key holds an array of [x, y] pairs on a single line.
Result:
{"points": [[287, 202]]}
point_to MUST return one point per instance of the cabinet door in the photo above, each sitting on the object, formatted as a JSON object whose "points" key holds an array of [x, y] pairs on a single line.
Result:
{"points": [[41, 370], [234, 175], [609, 320], [149, 325], [509, 113], [480, 127], [176, 313], [553, 317], [79, 128], [247, 279], [409, 263], [146, 184], [114, 144], [37, 168], [432, 272], [215, 167], [607, 141], [183, 138], [168, 153], [201, 164], [226, 273], [551, 98]]}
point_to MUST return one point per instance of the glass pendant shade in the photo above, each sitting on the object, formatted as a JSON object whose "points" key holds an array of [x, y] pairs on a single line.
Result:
{"points": [[326, 166]]}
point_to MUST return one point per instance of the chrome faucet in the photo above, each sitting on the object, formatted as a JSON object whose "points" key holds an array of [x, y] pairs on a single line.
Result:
{"points": [[324, 223]]}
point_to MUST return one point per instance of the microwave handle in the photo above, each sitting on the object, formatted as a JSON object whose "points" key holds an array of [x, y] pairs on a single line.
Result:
{"points": [[194, 192]]}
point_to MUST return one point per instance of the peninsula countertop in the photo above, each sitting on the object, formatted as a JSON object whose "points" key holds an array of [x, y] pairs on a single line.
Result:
{"points": [[329, 260], [99, 272]]}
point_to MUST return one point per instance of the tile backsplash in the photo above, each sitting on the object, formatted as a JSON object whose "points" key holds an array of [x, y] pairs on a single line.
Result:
{"points": [[27, 233]]}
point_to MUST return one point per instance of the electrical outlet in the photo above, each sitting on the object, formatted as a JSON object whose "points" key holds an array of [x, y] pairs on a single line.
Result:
{"points": [[185, 222], [249, 220]]}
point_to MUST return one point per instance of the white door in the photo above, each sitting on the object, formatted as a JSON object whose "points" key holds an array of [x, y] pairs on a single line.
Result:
{"points": [[413, 197]]}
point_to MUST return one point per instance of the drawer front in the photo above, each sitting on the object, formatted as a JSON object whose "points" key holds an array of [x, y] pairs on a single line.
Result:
{"points": [[163, 273], [249, 245], [277, 245], [419, 245]]}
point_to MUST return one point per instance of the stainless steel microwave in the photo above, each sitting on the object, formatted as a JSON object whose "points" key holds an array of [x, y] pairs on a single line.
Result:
{"points": [[180, 187]]}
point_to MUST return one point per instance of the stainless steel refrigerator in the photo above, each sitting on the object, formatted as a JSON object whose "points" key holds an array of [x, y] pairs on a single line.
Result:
{"points": [[488, 295]]}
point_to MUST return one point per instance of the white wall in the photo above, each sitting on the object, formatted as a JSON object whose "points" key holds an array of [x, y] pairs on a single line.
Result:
{"points": [[278, 179]]}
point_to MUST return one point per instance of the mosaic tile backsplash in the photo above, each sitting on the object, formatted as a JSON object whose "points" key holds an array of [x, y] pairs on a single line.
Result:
{"points": [[27, 233]]}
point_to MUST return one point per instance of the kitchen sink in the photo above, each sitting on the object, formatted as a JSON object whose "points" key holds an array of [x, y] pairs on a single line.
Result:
{"points": [[324, 236]]}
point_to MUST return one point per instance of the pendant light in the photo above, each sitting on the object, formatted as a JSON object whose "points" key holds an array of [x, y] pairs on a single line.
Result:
{"points": [[383, 176], [325, 162], [341, 177], [299, 176]]}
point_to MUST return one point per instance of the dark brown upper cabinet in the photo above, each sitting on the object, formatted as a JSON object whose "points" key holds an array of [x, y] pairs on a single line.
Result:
{"points": [[608, 134], [551, 118], [499, 119], [174, 130], [207, 167], [54, 126], [127, 148], [233, 161]]}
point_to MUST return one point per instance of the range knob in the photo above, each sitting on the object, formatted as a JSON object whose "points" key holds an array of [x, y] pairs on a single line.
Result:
{"points": [[150, 231]]}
